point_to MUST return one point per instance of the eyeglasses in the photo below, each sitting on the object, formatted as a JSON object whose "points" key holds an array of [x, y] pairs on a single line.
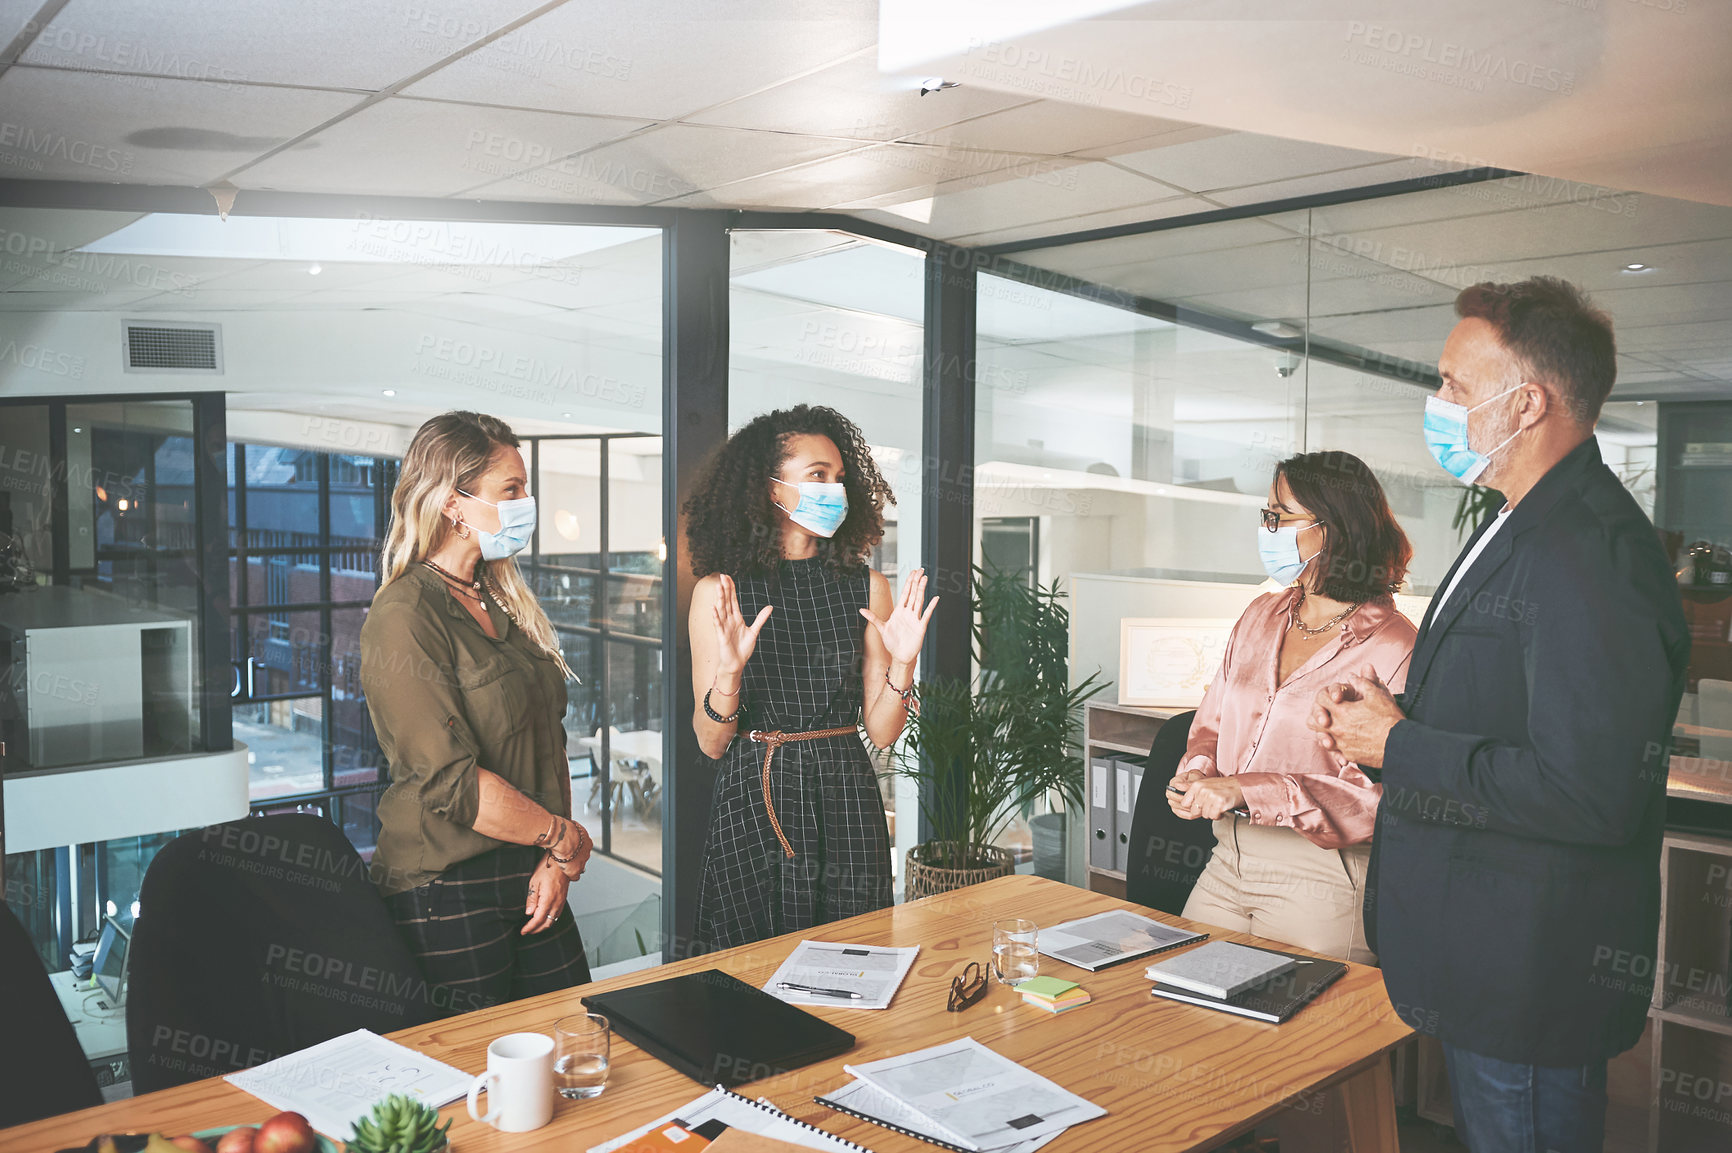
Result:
{"points": [[967, 989], [1272, 519]]}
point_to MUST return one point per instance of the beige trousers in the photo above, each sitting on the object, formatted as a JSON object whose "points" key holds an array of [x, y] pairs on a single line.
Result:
{"points": [[1276, 884]]}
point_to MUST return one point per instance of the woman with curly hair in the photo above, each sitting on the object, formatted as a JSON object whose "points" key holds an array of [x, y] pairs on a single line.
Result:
{"points": [[780, 527]]}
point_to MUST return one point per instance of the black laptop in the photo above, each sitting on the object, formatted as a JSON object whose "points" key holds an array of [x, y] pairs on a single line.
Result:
{"points": [[718, 1030]]}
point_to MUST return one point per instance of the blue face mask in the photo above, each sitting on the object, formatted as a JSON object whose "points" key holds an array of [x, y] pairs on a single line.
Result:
{"points": [[1279, 552], [1446, 437], [822, 507], [516, 526]]}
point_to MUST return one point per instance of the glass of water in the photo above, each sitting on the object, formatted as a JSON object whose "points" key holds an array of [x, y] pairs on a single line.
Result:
{"points": [[1014, 957], [581, 1056]]}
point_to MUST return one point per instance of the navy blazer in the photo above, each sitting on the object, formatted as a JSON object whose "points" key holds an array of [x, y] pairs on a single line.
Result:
{"points": [[1513, 896]]}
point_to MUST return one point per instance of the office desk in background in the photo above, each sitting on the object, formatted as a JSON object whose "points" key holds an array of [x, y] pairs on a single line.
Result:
{"points": [[1173, 1077], [101, 1032]]}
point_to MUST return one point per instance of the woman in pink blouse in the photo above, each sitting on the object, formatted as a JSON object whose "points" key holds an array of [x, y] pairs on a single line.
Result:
{"points": [[1292, 822]]}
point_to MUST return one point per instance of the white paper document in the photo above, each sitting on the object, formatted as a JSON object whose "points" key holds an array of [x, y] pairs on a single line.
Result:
{"points": [[862, 1100], [1104, 939], [975, 1098], [874, 972], [736, 1112], [335, 1083]]}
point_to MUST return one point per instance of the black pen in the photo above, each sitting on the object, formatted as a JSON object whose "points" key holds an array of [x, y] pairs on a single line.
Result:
{"points": [[1172, 788], [789, 985]]}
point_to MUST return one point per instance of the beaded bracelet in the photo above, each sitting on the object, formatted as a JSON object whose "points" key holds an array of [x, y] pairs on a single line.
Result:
{"points": [[581, 837], [717, 717]]}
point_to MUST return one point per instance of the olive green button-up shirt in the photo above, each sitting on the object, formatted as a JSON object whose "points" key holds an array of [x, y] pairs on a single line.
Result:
{"points": [[447, 698]]}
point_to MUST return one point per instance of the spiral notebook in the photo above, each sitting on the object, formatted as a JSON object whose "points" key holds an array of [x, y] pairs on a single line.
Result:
{"points": [[858, 1099], [736, 1112]]}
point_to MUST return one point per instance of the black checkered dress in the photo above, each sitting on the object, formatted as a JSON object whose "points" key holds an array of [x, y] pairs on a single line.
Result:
{"points": [[804, 674]]}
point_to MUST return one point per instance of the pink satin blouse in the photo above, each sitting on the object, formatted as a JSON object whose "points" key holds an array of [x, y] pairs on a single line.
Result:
{"points": [[1249, 727]]}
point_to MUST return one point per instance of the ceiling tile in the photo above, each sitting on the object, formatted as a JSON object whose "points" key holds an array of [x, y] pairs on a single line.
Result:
{"points": [[1477, 199], [852, 99], [39, 242], [1002, 200], [1172, 132], [318, 43], [72, 300], [875, 174], [14, 14], [1339, 180], [293, 276], [1135, 214], [655, 58], [436, 149], [1239, 159], [1556, 230], [1048, 128], [95, 127], [663, 163], [120, 274], [1103, 259]]}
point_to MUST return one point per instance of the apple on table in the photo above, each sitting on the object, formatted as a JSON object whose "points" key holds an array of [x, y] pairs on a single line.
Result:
{"points": [[284, 1133]]}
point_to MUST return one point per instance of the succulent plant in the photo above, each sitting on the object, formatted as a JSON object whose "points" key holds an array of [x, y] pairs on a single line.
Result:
{"points": [[399, 1124]]}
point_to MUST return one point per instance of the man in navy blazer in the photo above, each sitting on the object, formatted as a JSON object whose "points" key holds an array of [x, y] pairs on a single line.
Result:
{"points": [[1515, 864]]}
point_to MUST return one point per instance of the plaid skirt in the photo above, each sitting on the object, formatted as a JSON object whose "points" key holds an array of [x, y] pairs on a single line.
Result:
{"points": [[465, 927], [827, 801]]}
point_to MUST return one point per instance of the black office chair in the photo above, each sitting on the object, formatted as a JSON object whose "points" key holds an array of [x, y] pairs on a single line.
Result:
{"points": [[1166, 853], [43, 1070], [257, 938]]}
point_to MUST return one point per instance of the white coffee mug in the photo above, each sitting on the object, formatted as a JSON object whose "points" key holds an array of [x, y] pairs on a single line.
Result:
{"points": [[518, 1082]]}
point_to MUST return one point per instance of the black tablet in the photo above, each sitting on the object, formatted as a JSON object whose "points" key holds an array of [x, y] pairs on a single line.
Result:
{"points": [[718, 1030]]}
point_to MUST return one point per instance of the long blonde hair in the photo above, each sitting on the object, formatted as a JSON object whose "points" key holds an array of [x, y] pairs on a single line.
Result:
{"points": [[449, 452]]}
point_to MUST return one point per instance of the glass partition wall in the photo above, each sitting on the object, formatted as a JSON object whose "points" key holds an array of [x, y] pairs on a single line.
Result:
{"points": [[596, 563], [1218, 349], [1132, 394], [330, 338], [830, 318], [103, 623], [1136, 391]]}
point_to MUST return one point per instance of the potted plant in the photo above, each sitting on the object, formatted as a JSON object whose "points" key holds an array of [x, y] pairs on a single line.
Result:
{"points": [[1477, 502], [400, 1124], [986, 750]]}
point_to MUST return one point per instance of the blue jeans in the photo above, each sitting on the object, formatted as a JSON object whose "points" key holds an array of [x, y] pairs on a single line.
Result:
{"points": [[1504, 1107]]}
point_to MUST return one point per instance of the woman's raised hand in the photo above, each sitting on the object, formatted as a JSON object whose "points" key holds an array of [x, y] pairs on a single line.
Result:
{"points": [[735, 639], [905, 630]]}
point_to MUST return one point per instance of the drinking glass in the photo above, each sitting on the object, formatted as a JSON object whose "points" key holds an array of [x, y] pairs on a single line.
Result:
{"points": [[1014, 957], [580, 1068]]}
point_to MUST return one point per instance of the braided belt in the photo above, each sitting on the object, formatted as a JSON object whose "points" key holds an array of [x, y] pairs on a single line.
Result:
{"points": [[773, 740]]}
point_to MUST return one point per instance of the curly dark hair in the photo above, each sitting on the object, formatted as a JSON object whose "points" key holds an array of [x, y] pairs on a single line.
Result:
{"points": [[733, 527], [1365, 553]]}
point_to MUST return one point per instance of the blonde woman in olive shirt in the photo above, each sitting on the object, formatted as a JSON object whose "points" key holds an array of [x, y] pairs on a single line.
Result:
{"points": [[466, 687]]}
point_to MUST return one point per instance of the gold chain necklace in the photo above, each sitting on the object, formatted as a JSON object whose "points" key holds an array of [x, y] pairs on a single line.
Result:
{"points": [[1305, 630]]}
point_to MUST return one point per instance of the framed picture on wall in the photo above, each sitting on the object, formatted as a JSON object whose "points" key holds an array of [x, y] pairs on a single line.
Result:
{"points": [[1167, 662]]}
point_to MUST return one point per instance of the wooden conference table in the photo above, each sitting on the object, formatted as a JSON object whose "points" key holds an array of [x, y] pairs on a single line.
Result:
{"points": [[1171, 1076]]}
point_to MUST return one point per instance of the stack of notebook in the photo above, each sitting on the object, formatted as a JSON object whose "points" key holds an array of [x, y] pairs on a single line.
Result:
{"points": [[1259, 983], [1052, 994]]}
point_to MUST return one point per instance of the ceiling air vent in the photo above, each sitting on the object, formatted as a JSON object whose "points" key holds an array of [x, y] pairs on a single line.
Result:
{"points": [[167, 347]]}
